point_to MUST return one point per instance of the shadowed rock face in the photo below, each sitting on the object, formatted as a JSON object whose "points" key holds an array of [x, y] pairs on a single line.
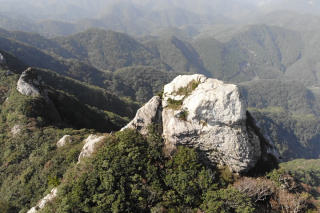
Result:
{"points": [[146, 115], [211, 116]]}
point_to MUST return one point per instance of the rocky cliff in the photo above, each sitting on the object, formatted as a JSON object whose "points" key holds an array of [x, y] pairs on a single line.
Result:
{"points": [[211, 116], [29, 84]]}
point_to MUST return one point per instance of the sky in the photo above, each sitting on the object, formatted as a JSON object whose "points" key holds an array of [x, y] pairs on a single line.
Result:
{"points": [[71, 10]]}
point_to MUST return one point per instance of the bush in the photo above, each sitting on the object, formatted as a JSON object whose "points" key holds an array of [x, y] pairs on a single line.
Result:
{"points": [[227, 200]]}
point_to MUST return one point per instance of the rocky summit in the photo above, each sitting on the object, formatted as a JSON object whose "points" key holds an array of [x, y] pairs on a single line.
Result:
{"points": [[209, 115]]}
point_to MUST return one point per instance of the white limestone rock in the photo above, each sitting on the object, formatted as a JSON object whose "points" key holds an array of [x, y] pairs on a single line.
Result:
{"points": [[214, 121], [146, 115], [211, 116], [41, 204], [28, 83], [90, 144], [67, 139]]}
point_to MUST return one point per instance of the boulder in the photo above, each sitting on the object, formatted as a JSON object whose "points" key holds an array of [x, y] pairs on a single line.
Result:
{"points": [[146, 115], [29, 84], [211, 116], [89, 147], [64, 141]]}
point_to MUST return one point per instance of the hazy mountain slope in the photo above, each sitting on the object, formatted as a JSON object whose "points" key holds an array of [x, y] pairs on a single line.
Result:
{"points": [[289, 95], [17, 23], [211, 53], [37, 41], [289, 113], [46, 59], [12, 63], [30, 55], [109, 50], [178, 54], [258, 51], [139, 83]]}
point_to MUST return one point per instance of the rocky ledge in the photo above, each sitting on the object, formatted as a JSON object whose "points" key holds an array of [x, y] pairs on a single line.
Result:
{"points": [[211, 116]]}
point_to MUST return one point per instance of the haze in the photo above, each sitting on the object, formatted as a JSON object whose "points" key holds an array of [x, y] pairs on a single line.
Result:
{"points": [[142, 17]]}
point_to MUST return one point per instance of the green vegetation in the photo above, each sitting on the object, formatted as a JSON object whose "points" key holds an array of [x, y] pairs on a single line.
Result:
{"points": [[31, 165], [129, 173], [296, 136], [186, 91], [108, 50], [139, 83], [174, 104], [307, 171], [227, 200]]}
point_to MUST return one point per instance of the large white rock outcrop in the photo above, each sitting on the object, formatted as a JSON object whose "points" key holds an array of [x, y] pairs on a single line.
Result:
{"points": [[146, 115], [211, 116], [41, 204], [28, 83]]}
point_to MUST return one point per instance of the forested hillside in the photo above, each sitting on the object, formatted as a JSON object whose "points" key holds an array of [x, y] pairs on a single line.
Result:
{"points": [[72, 74]]}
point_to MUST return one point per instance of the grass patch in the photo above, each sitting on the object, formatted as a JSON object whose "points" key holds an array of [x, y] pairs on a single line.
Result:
{"points": [[174, 104], [189, 88], [186, 91]]}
